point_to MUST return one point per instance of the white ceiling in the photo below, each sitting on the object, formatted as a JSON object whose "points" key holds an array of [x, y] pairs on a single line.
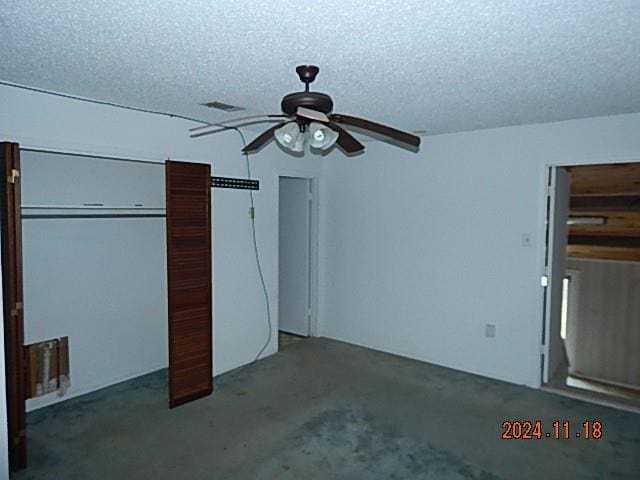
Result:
{"points": [[439, 66]]}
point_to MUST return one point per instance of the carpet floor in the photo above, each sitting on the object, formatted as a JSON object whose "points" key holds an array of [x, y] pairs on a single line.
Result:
{"points": [[322, 409]]}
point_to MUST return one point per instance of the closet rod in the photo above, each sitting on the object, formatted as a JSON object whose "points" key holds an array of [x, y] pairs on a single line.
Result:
{"points": [[90, 155], [106, 215], [89, 206]]}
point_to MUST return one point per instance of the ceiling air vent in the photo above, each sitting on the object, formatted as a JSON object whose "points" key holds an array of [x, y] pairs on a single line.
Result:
{"points": [[225, 107]]}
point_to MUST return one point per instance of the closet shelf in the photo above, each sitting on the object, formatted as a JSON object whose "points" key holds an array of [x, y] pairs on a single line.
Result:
{"points": [[90, 210], [92, 206]]}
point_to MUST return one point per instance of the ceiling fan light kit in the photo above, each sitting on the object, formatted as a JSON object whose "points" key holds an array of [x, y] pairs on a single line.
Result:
{"points": [[294, 136], [321, 136], [308, 119], [290, 136]]}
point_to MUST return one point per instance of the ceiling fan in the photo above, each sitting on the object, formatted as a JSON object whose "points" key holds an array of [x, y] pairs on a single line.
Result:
{"points": [[307, 118]]}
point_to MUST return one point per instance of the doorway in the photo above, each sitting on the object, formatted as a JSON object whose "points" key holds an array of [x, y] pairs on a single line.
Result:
{"points": [[296, 250], [591, 337]]}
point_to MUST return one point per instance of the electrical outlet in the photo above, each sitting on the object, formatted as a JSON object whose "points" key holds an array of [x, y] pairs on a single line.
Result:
{"points": [[490, 330]]}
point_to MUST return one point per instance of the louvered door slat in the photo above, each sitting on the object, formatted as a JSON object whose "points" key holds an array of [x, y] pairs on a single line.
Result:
{"points": [[189, 279]]}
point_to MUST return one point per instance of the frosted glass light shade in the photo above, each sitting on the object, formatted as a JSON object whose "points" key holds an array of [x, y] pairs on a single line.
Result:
{"points": [[321, 136], [290, 137]]}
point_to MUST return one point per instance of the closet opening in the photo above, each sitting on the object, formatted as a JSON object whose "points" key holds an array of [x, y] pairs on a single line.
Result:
{"points": [[106, 278]]}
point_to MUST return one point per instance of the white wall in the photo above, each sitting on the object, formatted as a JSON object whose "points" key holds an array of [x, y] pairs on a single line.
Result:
{"points": [[423, 250], [604, 333], [240, 327]]}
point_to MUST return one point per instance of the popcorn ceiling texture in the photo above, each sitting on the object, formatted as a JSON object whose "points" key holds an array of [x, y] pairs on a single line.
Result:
{"points": [[439, 66]]}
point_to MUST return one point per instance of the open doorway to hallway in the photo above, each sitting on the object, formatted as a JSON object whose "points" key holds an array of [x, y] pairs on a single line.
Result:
{"points": [[296, 266], [592, 323]]}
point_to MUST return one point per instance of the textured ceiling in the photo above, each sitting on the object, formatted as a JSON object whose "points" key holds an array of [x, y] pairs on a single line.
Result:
{"points": [[439, 66]]}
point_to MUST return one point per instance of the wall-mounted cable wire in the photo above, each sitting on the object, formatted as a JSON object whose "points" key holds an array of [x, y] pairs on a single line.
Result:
{"points": [[183, 117]]}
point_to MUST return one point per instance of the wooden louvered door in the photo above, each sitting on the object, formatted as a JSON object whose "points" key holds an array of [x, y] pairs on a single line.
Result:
{"points": [[12, 303], [188, 196]]}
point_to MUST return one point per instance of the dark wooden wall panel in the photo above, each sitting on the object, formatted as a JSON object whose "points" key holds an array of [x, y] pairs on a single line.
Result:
{"points": [[12, 303], [189, 281]]}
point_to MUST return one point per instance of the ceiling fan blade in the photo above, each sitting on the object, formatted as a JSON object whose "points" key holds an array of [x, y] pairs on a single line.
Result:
{"points": [[222, 128], [314, 115], [237, 119], [346, 141], [262, 139], [384, 130]]}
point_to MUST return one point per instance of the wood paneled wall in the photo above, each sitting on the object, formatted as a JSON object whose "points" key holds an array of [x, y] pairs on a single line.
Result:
{"points": [[605, 331]]}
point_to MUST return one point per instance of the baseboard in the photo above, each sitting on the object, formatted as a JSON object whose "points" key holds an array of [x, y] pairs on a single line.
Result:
{"points": [[53, 398]]}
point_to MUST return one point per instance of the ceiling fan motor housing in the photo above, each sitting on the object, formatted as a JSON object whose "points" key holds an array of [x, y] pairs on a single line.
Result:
{"points": [[320, 102]]}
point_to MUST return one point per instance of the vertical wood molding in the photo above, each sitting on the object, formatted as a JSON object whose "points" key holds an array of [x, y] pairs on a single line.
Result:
{"points": [[12, 304]]}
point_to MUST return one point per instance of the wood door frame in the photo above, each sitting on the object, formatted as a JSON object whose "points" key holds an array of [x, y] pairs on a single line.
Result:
{"points": [[13, 312], [545, 170]]}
